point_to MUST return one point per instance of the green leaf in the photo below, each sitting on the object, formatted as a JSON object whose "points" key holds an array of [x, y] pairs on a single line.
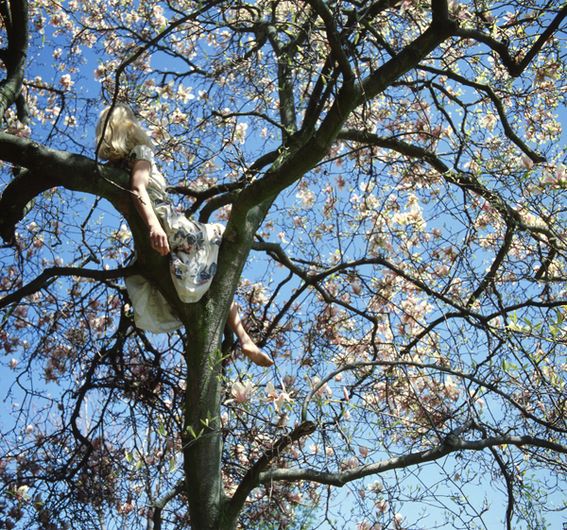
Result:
{"points": [[161, 430]]}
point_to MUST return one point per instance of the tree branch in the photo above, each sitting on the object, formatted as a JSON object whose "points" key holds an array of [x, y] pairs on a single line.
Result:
{"points": [[48, 168], [441, 28], [333, 36], [251, 479], [311, 279], [515, 68], [40, 281], [308, 149], [508, 131], [222, 194], [509, 487], [439, 11], [159, 504], [450, 445], [466, 181], [445, 369], [319, 96], [491, 274], [285, 85], [15, 199], [16, 22]]}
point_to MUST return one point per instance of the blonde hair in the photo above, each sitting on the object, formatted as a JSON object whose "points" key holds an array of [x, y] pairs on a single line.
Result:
{"points": [[121, 135]]}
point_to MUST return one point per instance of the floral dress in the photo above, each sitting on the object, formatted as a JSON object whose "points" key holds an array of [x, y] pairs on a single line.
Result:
{"points": [[193, 258]]}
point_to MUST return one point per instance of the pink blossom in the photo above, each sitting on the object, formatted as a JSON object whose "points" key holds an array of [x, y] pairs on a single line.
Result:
{"points": [[349, 463], [242, 392], [158, 18], [21, 492], [527, 162], [66, 82], [277, 398], [381, 505], [240, 132], [307, 197]]}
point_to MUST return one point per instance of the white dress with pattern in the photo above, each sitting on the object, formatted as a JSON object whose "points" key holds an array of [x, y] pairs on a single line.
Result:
{"points": [[193, 258]]}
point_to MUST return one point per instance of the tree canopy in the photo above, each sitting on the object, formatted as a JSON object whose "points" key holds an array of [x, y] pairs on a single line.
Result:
{"points": [[392, 179]]}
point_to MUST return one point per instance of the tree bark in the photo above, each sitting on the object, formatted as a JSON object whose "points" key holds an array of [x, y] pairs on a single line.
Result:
{"points": [[202, 441]]}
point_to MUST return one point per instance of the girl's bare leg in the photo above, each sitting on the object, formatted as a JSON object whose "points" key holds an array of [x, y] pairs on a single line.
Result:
{"points": [[249, 348]]}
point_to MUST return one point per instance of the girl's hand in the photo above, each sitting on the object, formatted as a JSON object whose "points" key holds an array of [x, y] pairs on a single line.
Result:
{"points": [[158, 240]]}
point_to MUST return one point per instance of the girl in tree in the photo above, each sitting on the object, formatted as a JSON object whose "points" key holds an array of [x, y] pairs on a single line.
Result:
{"points": [[192, 247]]}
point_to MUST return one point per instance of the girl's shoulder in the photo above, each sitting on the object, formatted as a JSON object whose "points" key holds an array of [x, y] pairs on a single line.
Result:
{"points": [[141, 152]]}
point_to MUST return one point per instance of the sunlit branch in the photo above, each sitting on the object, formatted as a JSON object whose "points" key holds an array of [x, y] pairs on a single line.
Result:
{"points": [[515, 68], [320, 94], [428, 329], [215, 203], [223, 194], [528, 303], [491, 274], [369, 10], [543, 271], [154, 523], [508, 131], [310, 279], [311, 149], [202, 195], [441, 108], [260, 115], [451, 445], [442, 27], [283, 311]]}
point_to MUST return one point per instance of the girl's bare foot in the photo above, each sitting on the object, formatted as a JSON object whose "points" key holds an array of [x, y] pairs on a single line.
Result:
{"points": [[256, 355]]}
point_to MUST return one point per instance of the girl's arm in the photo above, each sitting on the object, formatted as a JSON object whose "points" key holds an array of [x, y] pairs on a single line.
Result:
{"points": [[139, 182]]}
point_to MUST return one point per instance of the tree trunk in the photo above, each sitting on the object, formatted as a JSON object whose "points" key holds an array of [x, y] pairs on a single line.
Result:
{"points": [[205, 321], [202, 440]]}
